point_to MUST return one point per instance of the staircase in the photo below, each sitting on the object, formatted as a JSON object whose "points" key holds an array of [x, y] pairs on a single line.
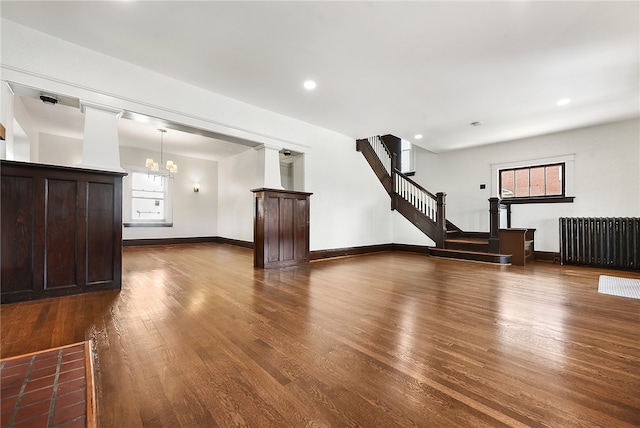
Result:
{"points": [[426, 210]]}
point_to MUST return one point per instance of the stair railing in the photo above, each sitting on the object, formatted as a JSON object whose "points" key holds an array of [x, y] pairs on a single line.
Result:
{"points": [[423, 208], [431, 206], [421, 199], [381, 151]]}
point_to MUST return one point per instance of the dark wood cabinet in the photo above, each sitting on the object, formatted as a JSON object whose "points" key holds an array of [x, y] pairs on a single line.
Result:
{"points": [[280, 228], [61, 230], [519, 243]]}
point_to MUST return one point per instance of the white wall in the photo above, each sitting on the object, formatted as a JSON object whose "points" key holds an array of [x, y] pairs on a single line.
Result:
{"points": [[194, 214], [6, 119], [404, 232], [235, 201], [348, 208], [605, 180], [59, 150]]}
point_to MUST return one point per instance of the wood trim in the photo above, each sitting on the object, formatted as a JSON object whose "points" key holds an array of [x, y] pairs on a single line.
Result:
{"points": [[364, 147], [3, 132], [235, 242], [408, 248], [315, 254], [540, 200], [471, 256], [168, 241], [147, 224], [349, 251], [189, 240], [61, 168], [288, 192], [547, 256], [92, 407]]}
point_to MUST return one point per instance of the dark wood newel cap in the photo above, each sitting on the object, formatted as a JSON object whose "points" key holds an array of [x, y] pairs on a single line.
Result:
{"points": [[58, 168], [294, 192]]}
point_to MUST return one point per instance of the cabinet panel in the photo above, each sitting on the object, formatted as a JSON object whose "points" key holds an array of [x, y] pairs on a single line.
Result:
{"points": [[272, 229], [301, 229], [61, 234], [286, 229], [100, 239], [18, 228]]}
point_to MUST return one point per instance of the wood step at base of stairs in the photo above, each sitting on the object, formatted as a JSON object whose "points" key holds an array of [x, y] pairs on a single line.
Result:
{"points": [[467, 241], [503, 259]]}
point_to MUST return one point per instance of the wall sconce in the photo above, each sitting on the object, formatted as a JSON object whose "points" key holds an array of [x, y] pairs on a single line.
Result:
{"points": [[196, 187]]}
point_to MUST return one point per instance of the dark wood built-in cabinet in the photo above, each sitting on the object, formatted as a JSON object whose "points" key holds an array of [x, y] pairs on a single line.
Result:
{"points": [[61, 230], [280, 228], [519, 243]]}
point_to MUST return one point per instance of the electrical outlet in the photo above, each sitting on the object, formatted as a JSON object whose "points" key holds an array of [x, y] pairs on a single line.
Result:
{"points": [[483, 186]]}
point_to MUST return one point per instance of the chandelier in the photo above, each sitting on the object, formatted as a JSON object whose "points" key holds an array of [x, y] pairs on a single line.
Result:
{"points": [[153, 167]]}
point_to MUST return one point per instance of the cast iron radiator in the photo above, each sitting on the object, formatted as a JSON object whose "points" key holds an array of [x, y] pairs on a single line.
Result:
{"points": [[604, 242]]}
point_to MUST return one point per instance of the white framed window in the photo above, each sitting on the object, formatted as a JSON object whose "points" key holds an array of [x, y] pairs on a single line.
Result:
{"points": [[534, 180], [147, 200], [539, 181]]}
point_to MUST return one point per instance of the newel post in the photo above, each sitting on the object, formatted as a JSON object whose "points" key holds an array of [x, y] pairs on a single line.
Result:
{"points": [[441, 220], [494, 225], [393, 193]]}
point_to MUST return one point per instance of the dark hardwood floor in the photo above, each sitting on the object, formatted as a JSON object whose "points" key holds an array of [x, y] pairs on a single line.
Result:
{"points": [[199, 338]]}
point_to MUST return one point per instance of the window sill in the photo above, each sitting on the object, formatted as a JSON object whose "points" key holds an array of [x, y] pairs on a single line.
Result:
{"points": [[539, 200], [148, 224]]}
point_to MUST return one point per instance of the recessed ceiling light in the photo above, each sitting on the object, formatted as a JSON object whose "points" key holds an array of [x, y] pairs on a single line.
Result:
{"points": [[310, 85], [476, 123], [417, 136], [563, 101]]}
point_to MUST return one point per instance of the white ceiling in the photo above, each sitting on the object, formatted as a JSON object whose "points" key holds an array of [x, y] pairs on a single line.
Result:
{"points": [[402, 68]]}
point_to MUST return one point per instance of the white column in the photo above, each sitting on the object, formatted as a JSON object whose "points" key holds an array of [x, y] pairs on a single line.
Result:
{"points": [[6, 118], [100, 148], [268, 167]]}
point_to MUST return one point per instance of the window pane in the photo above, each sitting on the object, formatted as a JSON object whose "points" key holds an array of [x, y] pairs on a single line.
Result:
{"points": [[147, 197], [532, 182], [405, 161], [147, 209], [508, 188], [147, 194], [554, 180], [142, 181], [537, 181], [522, 183]]}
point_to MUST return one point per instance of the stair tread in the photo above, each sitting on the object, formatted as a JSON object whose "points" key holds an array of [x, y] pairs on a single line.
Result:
{"points": [[449, 250], [475, 241]]}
